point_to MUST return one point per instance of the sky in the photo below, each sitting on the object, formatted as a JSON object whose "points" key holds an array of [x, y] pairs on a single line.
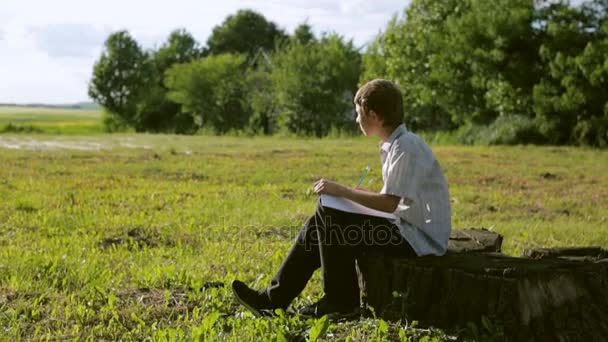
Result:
{"points": [[48, 48]]}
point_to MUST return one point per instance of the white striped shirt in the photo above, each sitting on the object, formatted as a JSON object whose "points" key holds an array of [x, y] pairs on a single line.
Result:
{"points": [[411, 171]]}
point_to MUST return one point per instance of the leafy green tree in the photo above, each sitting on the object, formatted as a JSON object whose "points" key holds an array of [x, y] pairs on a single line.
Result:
{"points": [[314, 84], [119, 77], [211, 90], [180, 47], [244, 32], [156, 112], [571, 99], [494, 47], [592, 121], [375, 58], [303, 34], [407, 52], [459, 61], [509, 71], [260, 97]]}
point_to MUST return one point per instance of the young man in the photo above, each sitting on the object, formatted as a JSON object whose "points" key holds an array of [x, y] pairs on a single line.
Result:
{"points": [[415, 190]]}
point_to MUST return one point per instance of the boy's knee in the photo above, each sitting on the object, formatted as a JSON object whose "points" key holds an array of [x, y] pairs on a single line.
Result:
{"points": [[319, 208], [325, 212], [308, 235]]}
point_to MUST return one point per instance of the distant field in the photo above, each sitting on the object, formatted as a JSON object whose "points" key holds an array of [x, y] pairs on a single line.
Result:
{"points": [[49, 120], [135, 237]]}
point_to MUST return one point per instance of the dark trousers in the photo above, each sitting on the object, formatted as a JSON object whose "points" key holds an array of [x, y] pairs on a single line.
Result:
{"points": [[332, 240]]}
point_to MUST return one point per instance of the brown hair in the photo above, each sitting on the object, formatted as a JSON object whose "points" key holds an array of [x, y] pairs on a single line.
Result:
{"points": [[384, 98]]}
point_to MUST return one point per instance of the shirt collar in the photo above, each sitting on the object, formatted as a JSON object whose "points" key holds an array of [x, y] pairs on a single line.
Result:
{"points": [[386, 145]]}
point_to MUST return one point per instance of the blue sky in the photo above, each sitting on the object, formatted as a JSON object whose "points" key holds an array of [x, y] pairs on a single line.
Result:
{"points": [[47, 48]]}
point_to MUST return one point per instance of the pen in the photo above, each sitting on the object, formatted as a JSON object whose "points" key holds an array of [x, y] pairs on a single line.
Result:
{"points": [[363, 176]]}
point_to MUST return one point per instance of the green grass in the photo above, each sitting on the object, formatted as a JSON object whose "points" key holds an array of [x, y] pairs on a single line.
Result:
{"points": [[49, 120], [127, 240]]}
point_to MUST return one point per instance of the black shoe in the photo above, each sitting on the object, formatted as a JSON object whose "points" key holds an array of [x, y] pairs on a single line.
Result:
{"points": [[257, 302], [324, 307]]}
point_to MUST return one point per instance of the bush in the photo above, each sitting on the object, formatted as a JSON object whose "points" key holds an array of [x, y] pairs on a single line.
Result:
{"points": [[593, 132], [212, 89], [511, 130], [11, 128], [114, 123], [313, 85], [505, 130], [468, 134]]}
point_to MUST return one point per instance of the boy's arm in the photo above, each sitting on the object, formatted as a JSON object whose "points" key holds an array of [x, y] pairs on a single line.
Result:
{"points": [[383, 202]]}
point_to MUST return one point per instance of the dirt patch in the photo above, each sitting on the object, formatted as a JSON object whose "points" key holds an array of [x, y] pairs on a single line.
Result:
{"points": [[7, 296], [28, 208], [148, 296], [171, 297], [546, 213], [18, 143], [491, 208], [158, 173], [288, 193], [134, 146], [32, 144], [487, 180], [60, 173], [548, 176], [137, 238], [275, 233]]}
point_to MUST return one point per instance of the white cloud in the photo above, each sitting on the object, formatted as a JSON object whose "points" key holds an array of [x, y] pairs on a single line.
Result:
{"points": [[69, 39], [47, 48]]}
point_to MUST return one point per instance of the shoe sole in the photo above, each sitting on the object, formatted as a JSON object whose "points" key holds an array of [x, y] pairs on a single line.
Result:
{"points": [[254, 311]]}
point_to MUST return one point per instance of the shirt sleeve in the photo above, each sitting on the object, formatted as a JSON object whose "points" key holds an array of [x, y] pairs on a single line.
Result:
{"points": [[402, 175]]}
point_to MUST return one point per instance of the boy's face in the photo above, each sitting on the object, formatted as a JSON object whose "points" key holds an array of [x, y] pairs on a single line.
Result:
{"points": [[368, 122]]}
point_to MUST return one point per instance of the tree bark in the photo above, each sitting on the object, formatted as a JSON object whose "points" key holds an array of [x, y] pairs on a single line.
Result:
{"points": [[548, 294]]}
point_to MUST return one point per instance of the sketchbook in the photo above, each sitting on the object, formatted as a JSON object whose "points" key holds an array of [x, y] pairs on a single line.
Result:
{"points": [[344, 204]]}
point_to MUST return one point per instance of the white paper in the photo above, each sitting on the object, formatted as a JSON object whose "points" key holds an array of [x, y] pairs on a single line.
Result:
{"points": [[344, 204]]}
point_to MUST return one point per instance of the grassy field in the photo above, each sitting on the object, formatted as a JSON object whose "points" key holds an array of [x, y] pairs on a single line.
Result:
{"points": [[50, 120], [134, 236]]}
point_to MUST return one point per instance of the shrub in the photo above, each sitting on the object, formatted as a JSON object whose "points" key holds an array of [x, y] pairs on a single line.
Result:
{"points": [[511, 130]]}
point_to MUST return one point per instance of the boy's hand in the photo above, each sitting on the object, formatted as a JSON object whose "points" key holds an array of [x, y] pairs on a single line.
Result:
{"points": [[324, 186]]}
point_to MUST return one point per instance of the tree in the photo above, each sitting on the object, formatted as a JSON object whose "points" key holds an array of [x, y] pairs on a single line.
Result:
{"points": [[495, 43], [180, 47], [303, 34], [374, 58], [314, 85], [571, 99], [406, 52], [212, 90], [156, 112], [119, 77], [459, 62], [504, 71], [260, 97], [244, 32]]}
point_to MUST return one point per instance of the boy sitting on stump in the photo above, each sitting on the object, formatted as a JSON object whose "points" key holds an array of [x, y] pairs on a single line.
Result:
{"points": [[415, 190]]}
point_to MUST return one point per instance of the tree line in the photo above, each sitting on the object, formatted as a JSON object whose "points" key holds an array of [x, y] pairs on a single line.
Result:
{"points": [[251, 76], [488, 71]]}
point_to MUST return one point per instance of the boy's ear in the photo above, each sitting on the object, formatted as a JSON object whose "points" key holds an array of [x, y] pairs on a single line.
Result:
{"points": [[374, 115]]}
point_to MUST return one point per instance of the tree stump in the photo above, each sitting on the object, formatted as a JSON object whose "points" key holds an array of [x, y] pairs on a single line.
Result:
{"points": [[543, 296]]}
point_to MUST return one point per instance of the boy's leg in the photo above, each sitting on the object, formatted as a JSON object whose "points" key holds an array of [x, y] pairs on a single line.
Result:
{"points": [[299, 265], [338, 253], [345, 237], [332, 239]]}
